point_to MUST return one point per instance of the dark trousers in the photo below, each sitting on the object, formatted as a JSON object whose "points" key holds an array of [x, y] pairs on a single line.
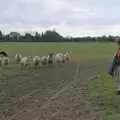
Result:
{"points": [[113, 66]]}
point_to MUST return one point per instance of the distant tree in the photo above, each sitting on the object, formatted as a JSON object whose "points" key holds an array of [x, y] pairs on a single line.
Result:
{"points": [[42, 37], [111, 38], [52, 36], [13, 36], [1, 33], [37, 37], [29, 37]]}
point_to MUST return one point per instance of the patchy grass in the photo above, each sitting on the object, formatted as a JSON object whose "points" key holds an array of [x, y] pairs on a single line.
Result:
{"points": [[102, 93]]}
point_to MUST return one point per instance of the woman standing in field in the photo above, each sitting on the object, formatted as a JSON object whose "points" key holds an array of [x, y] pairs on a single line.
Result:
{"points": [[116, 60], [115, 68]]}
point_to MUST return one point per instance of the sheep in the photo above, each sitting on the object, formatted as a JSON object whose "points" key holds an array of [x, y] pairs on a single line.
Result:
{"points": [[59, 58], [66, 56], [5, 61], [44, 60], [18, 58], [36, 61], [4, 58], [51, 59], [26, 62]]}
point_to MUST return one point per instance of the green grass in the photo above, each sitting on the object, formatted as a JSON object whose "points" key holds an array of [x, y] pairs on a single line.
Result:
{"points": [[80, 51], [102, 89], [103, 93]]}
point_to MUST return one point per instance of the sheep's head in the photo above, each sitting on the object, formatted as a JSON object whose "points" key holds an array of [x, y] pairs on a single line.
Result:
{"points": [[30, 58]]}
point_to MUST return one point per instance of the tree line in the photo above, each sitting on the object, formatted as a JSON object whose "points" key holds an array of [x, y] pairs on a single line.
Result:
{"points": [[50, 36]]}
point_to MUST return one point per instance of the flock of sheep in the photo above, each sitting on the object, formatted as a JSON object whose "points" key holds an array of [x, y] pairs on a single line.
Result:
{"points": [[36, 61]]}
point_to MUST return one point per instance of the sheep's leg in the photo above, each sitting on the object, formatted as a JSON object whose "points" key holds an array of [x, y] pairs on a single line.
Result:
{"points": [[21, 67], [35, 68], [56, 63], [29, 68], [38, 68]]}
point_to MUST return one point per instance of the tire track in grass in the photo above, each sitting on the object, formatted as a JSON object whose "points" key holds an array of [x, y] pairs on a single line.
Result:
{"points": [[53, 97], [63, 89], [53, 105], [83, 91], [46, 104]]}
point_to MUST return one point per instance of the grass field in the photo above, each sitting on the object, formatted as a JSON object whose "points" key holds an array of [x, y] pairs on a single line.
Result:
{"points": [[14, 84], [80, 51]]}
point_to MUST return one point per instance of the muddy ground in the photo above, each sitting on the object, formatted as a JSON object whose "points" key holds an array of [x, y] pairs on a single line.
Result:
{"points": [[53, 93]]}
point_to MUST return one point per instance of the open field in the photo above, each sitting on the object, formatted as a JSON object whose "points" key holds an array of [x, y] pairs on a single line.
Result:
{"points": [[80, 51], [71, 91]]}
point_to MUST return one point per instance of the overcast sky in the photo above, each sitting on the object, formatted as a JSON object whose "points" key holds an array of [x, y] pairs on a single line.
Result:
{"points": [[68, 17]]}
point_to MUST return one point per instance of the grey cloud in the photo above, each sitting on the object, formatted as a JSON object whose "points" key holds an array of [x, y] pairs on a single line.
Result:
{"points": [[22, 14]]}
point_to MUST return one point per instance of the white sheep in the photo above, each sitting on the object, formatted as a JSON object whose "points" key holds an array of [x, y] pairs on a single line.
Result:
{"points": [[67, 56], [36, 61], [18, 58], [26, 62], [59, 58], [5, 61], [44, 60]]}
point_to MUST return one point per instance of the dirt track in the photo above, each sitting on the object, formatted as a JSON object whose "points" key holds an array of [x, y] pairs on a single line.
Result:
{"points": [[66, 94]]}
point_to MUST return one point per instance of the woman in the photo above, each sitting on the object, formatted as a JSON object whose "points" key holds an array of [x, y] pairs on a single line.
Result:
{"points": [[116, 60], [115, 68]]}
